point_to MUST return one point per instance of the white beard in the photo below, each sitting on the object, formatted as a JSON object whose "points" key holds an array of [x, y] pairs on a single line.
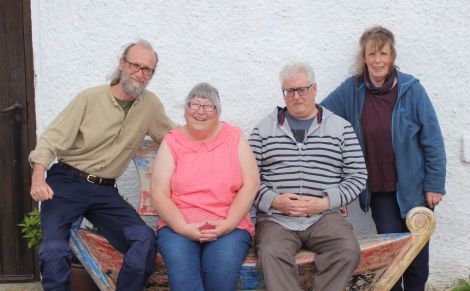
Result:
{"points": [[131, 90]]}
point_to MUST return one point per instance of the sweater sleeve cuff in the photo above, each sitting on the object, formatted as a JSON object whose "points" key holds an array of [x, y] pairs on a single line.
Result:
{"points": [[266, 202], [334, 198]]}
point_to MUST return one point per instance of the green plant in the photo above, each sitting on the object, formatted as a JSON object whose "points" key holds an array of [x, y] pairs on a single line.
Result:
{"points": [[31, 228], [462, 285]]}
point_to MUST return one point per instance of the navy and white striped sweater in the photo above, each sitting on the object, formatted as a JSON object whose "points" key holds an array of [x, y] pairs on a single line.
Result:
{"points": [[330, 159]]}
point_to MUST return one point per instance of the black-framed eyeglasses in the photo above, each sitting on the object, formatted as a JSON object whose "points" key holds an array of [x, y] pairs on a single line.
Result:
{"points": [[136, 67], [302, 91], [207, 107]]}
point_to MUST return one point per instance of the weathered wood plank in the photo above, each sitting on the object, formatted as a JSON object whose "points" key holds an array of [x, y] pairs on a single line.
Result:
{"points": [[379, 253]]}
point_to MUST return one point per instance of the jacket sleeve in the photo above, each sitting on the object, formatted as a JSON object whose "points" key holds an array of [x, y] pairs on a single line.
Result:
{"points": [[335, 100], [160, 123], [265, 195], [432, 144], [354, 171]]}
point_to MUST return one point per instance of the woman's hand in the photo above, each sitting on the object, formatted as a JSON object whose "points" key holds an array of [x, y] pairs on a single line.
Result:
{"points": [[433, 199], [217, 228], [198, 232], [207, 231]]}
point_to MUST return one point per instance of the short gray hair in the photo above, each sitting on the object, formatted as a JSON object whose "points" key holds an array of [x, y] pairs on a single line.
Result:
{"points": [[206, 91], [116, 75], [292, 69]]}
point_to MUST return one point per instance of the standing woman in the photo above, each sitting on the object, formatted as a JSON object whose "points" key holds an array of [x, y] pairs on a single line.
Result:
{"points": [[204, 180], [401, 139]]}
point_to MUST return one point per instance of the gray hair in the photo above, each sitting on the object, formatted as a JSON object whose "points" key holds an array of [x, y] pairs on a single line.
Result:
{"points": [[291, 70], [206, 91], [115, 77]]}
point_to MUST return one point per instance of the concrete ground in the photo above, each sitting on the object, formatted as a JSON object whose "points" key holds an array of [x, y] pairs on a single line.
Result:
{"points": [[36, 286]]}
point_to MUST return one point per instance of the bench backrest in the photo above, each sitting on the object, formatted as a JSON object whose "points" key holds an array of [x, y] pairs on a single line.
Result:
{"points": [[143, 160]]}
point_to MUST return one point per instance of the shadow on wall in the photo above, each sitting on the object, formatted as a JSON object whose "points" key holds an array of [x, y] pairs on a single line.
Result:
{"points": [[361, 222]]}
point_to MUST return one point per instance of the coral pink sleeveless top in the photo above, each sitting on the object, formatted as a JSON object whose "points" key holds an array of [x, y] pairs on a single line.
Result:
{"points": [[207, 175]]}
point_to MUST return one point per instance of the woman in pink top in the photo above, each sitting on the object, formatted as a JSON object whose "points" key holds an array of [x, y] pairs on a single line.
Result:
{"points": [[204, 180]]}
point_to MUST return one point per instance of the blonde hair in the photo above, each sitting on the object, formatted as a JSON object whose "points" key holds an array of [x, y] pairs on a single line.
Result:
{"points": [[378, 36]]}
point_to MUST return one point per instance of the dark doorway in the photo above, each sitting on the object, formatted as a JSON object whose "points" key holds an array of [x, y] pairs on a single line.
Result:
{"points": [[17, 137]]}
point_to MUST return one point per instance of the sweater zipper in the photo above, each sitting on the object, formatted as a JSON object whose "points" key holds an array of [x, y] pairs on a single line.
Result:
{"points": [[301, 174]]}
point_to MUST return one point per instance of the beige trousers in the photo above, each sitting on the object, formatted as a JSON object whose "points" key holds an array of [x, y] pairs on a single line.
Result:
{"points": [[331, 238]]}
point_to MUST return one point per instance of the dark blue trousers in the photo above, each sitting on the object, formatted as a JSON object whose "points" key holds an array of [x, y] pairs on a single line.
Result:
{"points": [[387, 218], [109, 213]]}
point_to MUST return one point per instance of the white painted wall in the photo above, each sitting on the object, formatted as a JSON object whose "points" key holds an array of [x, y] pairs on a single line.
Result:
{"points": [[240, 46]]}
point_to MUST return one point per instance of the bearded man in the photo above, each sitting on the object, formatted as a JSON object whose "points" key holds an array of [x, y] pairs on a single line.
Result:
{"points": [[93, 140]]}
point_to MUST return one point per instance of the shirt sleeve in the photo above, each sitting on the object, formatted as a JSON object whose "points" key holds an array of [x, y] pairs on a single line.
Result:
{"points": [[160, 123], [60, 134]]}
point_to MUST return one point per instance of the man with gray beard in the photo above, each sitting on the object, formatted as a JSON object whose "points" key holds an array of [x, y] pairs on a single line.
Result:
{"points": [[93, 140]]}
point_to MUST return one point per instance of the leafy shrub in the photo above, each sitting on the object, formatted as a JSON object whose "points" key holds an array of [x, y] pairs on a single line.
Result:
{"points": [[462, 285], [31, 228]]}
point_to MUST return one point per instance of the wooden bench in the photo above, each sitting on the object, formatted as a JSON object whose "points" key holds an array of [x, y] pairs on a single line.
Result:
{"points": [[383, 260]]}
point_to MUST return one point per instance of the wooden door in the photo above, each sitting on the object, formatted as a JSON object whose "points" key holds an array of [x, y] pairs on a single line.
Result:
{"points": [[17, 137]]}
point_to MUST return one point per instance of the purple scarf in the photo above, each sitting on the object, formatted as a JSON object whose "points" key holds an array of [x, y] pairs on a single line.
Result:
{"points": [[386, 86]]}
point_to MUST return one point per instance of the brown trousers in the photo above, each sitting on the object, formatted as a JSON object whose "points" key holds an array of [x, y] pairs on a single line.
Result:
{"points": [[331, 238]]}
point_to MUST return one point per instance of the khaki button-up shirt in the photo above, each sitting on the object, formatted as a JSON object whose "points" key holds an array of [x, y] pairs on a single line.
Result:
{"points": [[94, 135]]}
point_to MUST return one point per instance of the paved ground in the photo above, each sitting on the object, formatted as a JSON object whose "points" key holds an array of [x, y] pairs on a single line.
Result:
{"points": [[21, 287]]}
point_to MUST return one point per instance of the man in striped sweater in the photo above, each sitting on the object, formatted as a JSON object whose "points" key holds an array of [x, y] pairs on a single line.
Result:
{"points": [[311, 165]]}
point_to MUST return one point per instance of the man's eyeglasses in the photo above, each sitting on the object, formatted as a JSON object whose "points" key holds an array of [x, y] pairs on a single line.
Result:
{"points": [[136, 67], [207, 107], [302, 91]]}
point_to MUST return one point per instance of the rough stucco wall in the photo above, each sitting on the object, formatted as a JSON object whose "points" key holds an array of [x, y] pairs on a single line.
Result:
{"points": [[240, 46]]}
